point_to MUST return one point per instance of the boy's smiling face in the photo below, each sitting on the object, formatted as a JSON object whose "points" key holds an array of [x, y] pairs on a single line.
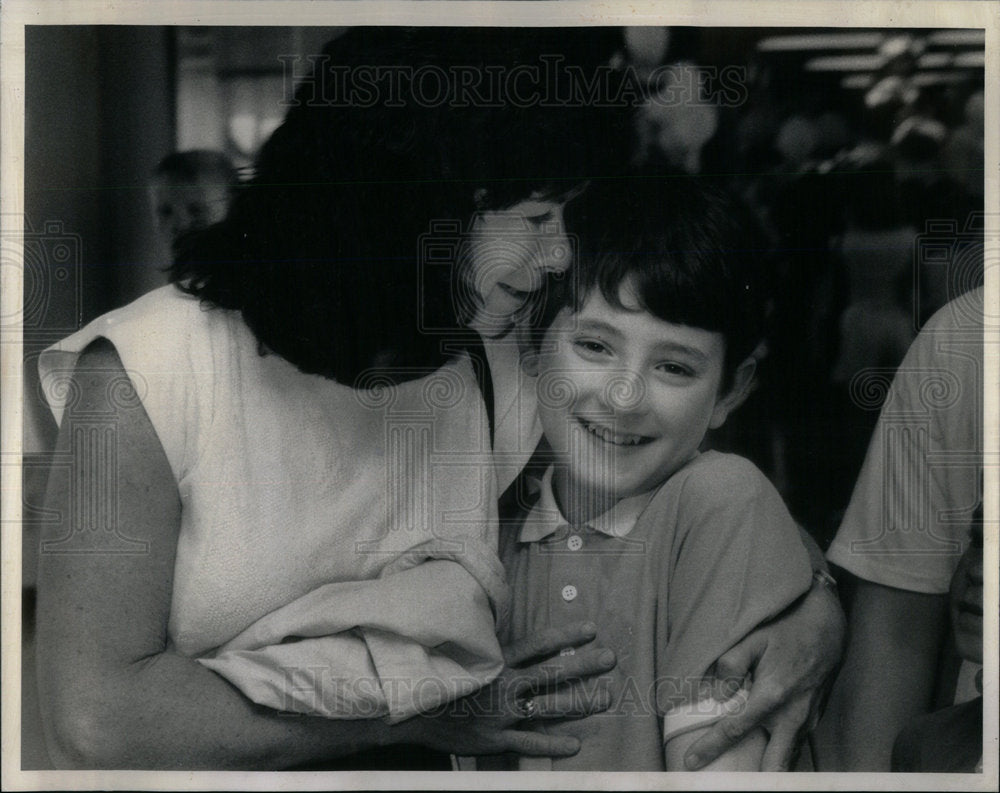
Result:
{"points": [[625, 398]]}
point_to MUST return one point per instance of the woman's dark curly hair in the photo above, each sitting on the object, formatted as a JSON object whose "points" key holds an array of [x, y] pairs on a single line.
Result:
{"points": [[321, 250]]}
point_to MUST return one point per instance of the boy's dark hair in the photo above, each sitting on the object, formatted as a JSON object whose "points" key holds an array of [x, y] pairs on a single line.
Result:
{"points": [[321, 249], [693, 254]]}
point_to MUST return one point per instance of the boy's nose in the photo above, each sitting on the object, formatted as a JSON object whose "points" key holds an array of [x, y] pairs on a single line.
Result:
{"points": [[624, 390]]}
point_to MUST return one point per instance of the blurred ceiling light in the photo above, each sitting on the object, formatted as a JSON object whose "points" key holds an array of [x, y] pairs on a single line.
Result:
{"points": [[820, 41], [647, 45], [962, 38], [857, 81], [891, 91], [938, 78], [933, 60], [846, 63], [901, 45], [970, 60]]}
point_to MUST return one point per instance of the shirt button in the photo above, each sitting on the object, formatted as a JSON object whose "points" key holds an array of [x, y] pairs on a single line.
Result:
{"points": [[575, 542], [569, 593]]}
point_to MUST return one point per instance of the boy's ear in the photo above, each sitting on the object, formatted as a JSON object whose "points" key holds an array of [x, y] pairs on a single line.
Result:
{"points": [[737, 394]]}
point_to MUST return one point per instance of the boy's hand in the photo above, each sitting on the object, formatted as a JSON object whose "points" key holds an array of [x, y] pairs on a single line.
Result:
{"points": [[790, 658]]}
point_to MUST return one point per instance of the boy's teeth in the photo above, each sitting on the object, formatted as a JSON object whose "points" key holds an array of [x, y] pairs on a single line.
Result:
{"points": [[619, 439]]}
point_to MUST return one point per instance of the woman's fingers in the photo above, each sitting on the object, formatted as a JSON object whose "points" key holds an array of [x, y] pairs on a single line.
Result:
{"points": [[549, 642], [571, 702], [765, 698], [557, 670], [781, 749]]}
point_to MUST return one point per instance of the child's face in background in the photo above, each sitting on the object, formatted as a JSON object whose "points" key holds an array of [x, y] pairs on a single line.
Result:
{"points": [[183, 207], [966, 600], [625, 398]]}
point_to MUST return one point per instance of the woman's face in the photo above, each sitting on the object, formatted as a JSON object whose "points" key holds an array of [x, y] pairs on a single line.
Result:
{"points": [[510, 250]]}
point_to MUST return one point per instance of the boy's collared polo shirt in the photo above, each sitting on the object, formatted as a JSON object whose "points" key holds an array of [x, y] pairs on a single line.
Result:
{"points": [[673, 579]]}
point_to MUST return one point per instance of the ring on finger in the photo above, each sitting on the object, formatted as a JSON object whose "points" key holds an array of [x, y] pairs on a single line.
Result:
{"points": [[527, 708]]}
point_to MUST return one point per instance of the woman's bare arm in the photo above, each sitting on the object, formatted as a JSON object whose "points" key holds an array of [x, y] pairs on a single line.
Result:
{"points": [[113, 695]]}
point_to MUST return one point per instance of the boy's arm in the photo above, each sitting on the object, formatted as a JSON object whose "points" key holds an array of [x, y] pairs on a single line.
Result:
{"points": [[746, 755], [740, 567], [791, 657]]}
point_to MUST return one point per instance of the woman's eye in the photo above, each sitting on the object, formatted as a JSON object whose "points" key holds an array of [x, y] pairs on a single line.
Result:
{"points": [[538, 220]]}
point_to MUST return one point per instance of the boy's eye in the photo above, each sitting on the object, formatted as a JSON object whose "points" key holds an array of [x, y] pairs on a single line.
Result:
{"points": [[591, 346], [674, 368]]}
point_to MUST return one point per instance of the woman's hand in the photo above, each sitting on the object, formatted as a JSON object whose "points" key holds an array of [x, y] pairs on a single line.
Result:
{"points": [[790, 658], [539, 681]]}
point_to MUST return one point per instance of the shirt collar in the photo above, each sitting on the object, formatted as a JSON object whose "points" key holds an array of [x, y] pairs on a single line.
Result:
{"points": [[545, 519]]}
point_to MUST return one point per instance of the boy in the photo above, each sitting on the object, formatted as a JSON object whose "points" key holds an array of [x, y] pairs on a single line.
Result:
{"points": [[644, 346]]}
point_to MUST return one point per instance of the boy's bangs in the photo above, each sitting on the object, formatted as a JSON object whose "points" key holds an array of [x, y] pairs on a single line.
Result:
{"points": [[669, 293]]}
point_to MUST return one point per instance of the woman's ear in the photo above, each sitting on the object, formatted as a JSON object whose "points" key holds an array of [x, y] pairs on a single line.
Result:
{"points": [[741, 388], [529, 361], [527, 352]]}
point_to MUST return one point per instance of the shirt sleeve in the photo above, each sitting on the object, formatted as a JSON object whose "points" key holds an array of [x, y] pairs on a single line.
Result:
{"points": [[170, 350], [913, 504], [391, 647], [736, 561]]}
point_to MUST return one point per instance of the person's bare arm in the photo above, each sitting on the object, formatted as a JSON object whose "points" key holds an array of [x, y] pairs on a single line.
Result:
{"points": [[113, 692], [887, 677]]}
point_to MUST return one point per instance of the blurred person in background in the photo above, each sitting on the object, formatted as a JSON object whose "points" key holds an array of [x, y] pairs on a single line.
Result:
{"points": [[190, 190], [910, 519]]}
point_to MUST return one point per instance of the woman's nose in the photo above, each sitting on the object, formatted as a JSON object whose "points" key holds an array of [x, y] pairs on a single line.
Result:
{"points": [[556, 252]]}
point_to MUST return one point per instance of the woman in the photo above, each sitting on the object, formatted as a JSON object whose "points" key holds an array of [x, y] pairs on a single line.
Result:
{"points": [[238, 483], [249, 469]]}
